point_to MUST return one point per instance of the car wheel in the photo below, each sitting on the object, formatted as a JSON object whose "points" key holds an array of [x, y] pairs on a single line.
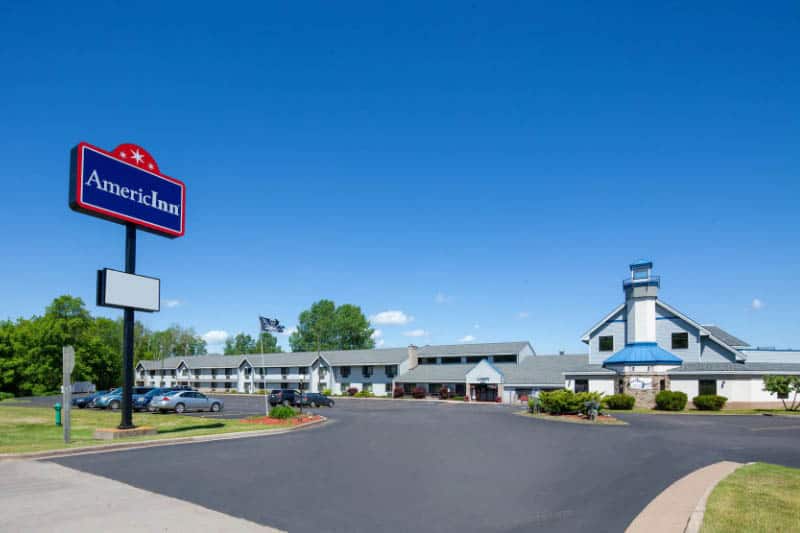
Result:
{"points": [[81, 405], [179, 408], [330, 404], [215, 407], [114, 405], [286, 403], [313, 405]]}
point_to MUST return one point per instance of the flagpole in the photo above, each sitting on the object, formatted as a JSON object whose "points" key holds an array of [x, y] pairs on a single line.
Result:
{"points": [[264, 375]]}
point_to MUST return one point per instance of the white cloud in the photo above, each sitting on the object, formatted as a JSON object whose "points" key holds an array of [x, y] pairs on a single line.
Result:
{"points": [[172, 303], [288, 331], [523, 314], [215, 337], [441, 298], [757, 304], [377, 336], [467, 338], [416, 333], [391, 318]]}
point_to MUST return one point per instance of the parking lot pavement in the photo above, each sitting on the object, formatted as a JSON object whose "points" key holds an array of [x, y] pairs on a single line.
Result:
{"points": [[403, 466], [41, 496]]}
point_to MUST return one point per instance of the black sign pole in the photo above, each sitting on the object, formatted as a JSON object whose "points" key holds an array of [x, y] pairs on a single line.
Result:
{"points": [[127, 335]]}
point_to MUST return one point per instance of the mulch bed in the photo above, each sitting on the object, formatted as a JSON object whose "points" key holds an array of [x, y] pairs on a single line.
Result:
{"points": [[601, 419], [295, 421]]}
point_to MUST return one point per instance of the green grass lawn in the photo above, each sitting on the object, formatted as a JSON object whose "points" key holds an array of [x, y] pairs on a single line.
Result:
{"points": [[755, 498], [32, 429]]}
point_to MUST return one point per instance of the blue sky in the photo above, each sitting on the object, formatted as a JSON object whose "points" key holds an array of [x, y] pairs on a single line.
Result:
{"points": [[487, 169]]}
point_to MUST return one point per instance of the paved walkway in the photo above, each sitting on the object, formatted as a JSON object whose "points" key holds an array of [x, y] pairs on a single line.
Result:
{"points": [[40, 496], [680, 506]]}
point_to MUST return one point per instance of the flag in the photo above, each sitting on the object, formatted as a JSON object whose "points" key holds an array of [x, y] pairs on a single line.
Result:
{"points": [[270, 324]]}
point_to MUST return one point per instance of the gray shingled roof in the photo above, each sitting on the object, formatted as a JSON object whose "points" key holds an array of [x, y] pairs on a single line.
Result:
{"points": [[544, 370], [382, 356], [541, 370], [436, 374], [743, 368], [287, 359], [725, 337], [484, 348]]}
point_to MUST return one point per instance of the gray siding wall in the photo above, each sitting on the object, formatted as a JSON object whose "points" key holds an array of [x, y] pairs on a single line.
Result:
{"points": [[614, 327], [714, 353], [665, 327]]}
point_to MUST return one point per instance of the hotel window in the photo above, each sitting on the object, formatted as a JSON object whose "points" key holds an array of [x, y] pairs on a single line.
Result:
{"points": [[607, 343], [284, 385], [427, 360], [367, 387], [345, 385], [344, 371], [707, 386], [451, 360], [284, 370], [680, 341], [581, 385], [434, 388], [390, 370], [303, 370], [505, 358], [366, 371], [474, 358], [197, 373]]}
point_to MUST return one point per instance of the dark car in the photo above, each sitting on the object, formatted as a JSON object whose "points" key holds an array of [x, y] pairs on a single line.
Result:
{"points": [[315, 399], [86, 401], [284, 397]]}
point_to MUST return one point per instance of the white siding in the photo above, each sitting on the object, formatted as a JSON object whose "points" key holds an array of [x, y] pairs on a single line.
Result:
{"points": [[714, 353], [688, 386], [665, 327]]}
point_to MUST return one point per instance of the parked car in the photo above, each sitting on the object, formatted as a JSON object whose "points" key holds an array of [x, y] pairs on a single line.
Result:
{"points": [[315, 399], [284, 397], [180, 401], [87, 400], [141, 402], [113, 400]]}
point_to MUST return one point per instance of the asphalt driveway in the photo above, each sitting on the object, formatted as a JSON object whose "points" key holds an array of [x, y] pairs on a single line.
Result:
{"points": [[407, 466]]}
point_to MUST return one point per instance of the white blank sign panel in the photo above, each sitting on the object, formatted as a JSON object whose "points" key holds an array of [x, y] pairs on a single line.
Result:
{"points": [[129, 290]]}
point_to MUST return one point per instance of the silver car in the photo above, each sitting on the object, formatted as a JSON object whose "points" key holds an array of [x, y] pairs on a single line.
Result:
{"points": [[184, 400]]}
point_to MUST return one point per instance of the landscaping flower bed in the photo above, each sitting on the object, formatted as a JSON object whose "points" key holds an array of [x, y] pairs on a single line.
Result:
{"points": [[289, 422]]}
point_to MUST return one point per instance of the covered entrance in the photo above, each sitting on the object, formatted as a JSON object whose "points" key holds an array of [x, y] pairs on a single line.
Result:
{"points": [[484, 392], [484, 382]]}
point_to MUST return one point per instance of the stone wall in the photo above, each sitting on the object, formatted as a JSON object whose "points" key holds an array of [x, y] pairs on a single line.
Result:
{"points": [[645, 396]]}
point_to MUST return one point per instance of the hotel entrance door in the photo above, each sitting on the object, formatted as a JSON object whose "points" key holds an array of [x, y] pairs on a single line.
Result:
{"points": [[485, 392]]}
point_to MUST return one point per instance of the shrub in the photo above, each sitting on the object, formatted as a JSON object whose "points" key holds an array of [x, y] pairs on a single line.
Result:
{"points": [[327, 392], [457, 398], [364, 394], [709, 402], [399, 392], [668, 400], [564, 401], [5, 396], [281, 412], [419, 393], [534, 404], [619, 401], [444, 393], [352, 391]]}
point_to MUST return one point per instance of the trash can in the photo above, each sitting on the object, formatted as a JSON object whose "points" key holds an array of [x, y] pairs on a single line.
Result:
{"points": [[57, 408]]}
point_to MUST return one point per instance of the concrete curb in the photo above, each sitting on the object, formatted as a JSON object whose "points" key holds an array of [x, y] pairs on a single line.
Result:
{"points": [[680, 508], [696, 519], [106, 448], [545, 418]]}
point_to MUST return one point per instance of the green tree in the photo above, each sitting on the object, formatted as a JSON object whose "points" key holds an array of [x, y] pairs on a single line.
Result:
{"points": [[245, 344], [327, 327], [240, 344], [787, 388]]}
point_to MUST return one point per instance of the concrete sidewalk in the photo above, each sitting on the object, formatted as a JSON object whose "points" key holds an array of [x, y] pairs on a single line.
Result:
{"points": [[41, 496], [680, 507]]}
